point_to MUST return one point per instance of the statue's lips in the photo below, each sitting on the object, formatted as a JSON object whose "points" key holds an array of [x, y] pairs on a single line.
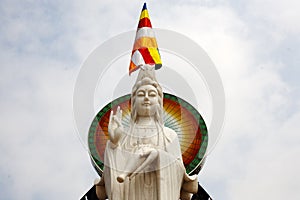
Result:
{"points": [[146, 104]]}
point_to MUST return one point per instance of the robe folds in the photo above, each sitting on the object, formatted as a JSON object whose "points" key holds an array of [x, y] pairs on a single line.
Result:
{"points": [[164, 179]]}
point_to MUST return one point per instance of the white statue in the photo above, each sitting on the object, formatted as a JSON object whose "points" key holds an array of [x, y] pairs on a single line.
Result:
{"points": [[145, 161]]}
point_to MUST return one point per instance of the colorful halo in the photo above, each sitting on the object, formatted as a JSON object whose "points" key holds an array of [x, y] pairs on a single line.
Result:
{"points": [[179, 115]]}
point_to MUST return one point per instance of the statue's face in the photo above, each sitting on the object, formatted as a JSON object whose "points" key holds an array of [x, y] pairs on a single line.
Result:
{"points": [[146, 100]]}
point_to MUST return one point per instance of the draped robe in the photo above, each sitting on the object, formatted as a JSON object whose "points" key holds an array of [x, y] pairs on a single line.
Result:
{"points": [[165, 179]]}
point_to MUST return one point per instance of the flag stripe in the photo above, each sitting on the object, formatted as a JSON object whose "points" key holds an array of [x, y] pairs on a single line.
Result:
{"points": [[146, 55], [137, 58], [158, 66], [144, 14], [155, 55], [145, 22], [132, 67], [144, 32], [144, 6], [146, 42]]}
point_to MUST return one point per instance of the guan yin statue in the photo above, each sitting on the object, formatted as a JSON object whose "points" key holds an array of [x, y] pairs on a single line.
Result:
{"points": [[145, 161], [147, 145]]}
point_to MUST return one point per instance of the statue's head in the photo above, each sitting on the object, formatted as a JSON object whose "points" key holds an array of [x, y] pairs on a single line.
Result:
{"points": [[146, 96]]}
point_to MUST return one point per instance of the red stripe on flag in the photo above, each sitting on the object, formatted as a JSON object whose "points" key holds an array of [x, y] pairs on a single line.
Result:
{"points": [[145, 22], [147, 56]]}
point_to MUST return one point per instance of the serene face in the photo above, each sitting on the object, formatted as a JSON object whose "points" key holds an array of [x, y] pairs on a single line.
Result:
{"points": [[146, 100]]}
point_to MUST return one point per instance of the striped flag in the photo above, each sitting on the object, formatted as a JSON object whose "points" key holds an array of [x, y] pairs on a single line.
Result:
{"points": [[145, 49]]}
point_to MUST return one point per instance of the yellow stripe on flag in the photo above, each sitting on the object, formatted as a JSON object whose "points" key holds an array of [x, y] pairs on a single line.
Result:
{"points": [[155, 55], [147, 42], [144, 14]]}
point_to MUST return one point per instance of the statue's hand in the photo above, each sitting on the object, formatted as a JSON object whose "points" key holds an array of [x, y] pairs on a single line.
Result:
{"points": [[115, 127], [145, 151]]}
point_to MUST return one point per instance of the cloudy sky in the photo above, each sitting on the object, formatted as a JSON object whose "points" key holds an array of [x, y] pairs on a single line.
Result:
{"points": [[255, 46]]}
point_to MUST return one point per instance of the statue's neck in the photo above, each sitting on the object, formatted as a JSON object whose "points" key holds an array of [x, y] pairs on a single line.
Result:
{"points": [[145, 121]]}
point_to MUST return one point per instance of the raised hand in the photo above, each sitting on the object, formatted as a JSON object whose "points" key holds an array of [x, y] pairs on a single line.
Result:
{"points": [[115, 127]]}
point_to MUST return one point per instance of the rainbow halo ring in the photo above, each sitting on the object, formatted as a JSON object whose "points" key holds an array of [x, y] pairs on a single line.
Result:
{"points": [[179, 115]]}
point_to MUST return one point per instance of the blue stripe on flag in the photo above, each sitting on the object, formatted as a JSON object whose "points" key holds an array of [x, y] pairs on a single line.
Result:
{"points": [[145, 6]]}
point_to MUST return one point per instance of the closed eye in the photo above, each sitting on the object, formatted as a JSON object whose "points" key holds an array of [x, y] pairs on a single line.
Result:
{"points": [[152, 93], [140, 93]]}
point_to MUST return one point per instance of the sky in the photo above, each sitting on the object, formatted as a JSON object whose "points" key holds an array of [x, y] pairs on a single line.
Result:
{"points": [[254, 45]]}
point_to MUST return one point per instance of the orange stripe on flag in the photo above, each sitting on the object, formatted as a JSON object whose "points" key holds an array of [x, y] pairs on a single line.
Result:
{"points": [[132, 67], [147, 42]]}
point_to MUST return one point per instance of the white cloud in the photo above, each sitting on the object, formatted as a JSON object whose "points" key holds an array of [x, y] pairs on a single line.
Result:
{"points": [[283, 16], [43, 155]]}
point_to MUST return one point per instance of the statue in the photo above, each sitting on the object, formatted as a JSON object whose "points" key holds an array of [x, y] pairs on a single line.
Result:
{"points": [[145, 161]]}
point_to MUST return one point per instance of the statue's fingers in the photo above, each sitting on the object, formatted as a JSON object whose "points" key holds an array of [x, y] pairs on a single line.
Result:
{"points": [[111, 116], [118, 112], [117, 120]]}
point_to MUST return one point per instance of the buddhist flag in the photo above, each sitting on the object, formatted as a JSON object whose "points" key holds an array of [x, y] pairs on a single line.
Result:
{"points": [[145, 49]]}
